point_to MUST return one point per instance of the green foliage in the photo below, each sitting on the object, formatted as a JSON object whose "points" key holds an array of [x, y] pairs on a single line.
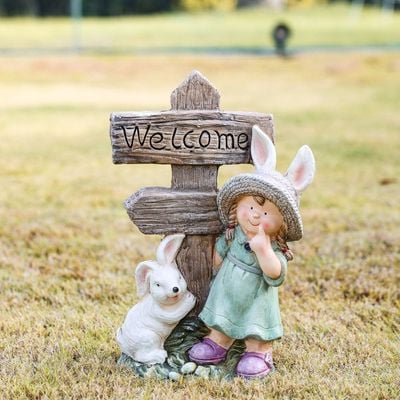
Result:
{"points": [[204, 5], [34, 7], [89, 7], [124, 7]]}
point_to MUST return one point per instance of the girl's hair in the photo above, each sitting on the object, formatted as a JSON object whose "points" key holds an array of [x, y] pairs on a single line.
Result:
{"points": [[280, 237]]}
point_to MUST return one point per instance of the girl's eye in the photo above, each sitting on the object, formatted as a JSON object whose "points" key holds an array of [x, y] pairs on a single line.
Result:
{"points": [[265, 213], [251, 208]]}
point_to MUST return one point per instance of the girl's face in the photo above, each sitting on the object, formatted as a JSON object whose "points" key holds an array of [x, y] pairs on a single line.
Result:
{"points": [[250, 215]]}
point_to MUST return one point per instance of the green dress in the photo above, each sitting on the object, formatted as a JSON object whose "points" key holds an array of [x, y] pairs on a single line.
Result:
{"points": [[243, 302]]}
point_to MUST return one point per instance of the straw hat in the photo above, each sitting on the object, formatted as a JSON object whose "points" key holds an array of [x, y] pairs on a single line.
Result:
{"points": [[282, 190]]}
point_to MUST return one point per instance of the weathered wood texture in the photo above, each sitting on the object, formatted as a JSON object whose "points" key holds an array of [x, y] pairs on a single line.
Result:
{"points": [[195, 93], [195, 262], [189, 137], [194, 177], [156, 210], [195, 258]]}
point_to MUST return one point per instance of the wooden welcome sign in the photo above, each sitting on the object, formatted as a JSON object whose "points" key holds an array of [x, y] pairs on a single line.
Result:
{"points": [[195, 138]]}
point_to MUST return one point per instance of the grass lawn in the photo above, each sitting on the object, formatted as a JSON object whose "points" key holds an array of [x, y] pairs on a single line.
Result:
{"points": [[326, 26], [68, 250]]}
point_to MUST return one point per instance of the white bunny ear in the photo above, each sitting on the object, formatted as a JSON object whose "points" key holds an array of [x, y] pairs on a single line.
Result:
{"points": [[301, 170], [168, 249], [142, 276], [262, 150]]}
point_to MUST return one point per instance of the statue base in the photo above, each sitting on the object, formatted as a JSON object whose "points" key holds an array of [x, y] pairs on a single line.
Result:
{"points": [[178, 366]]}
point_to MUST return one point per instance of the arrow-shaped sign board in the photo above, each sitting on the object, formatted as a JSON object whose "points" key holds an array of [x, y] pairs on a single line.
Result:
{"points": [[194, 137]]}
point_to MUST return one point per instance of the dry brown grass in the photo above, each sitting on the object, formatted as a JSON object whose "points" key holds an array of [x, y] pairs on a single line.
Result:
{"points": [[68, 250]]}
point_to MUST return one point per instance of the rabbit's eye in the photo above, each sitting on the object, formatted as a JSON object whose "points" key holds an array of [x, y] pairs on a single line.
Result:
{"points": [[158, 285]]}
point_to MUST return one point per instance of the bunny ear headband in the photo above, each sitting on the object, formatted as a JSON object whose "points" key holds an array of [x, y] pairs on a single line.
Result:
{"points": [[282, 190]]}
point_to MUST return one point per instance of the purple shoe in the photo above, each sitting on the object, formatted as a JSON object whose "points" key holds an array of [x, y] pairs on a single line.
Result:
{"points": [[255, 365], [207, 352]]}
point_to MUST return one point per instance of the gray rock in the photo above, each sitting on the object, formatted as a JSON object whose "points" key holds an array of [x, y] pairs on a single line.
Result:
{"points": [[174, 376], [188, 368], [203, 372]]}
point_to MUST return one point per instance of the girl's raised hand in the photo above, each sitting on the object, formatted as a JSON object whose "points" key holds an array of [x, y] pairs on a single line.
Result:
{"points": [[269, 262], [261, 242]]}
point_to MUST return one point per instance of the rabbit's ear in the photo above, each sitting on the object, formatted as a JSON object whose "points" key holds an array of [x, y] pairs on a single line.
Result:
{"points": [[142, 273], [301, 170], [168, 249], [262, 151]]}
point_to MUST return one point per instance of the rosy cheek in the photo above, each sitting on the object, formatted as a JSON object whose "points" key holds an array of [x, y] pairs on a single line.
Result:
{"points": [[265, 225], [242, 214]]}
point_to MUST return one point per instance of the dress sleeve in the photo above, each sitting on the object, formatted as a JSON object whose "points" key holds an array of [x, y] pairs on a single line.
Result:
{"points": [[279, 280], [221, 246]]}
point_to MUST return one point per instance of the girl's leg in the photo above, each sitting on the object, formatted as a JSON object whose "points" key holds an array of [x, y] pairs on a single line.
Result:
{"points": [[258, 346], [220, 338]]}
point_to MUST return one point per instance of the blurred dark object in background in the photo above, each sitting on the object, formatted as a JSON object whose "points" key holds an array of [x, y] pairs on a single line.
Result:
{"points": [[251, 3], [281, 34]]}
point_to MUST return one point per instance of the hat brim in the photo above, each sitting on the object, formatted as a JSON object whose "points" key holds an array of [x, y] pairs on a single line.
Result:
{"points": [[271, 189]]}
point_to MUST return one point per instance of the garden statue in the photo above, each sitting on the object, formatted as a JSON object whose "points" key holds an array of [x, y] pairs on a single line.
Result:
{"points": [[260, 212], [225, 329], [165, 301]]}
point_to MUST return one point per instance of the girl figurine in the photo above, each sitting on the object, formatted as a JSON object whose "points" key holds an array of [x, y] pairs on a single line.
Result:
{"points": [[261, 214]]}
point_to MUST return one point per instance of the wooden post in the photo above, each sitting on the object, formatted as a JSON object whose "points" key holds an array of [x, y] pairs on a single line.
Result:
{"points": [[195, 138], [195, 259]]}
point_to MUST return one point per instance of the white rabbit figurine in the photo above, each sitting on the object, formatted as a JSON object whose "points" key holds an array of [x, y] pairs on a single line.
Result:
{"points": [[165, 301]]}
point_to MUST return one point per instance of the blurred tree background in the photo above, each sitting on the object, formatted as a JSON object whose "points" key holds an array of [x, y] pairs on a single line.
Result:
{"points": [[44, 8], [105, 8]]}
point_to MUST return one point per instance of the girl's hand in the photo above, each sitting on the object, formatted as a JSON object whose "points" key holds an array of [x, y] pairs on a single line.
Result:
{"points": [[261, 242], [269, 262]]}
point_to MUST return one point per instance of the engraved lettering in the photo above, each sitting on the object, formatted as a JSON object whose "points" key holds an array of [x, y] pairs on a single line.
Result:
{"points": [[226, 136], [135, 131], [154, 141], [173, 140], [208, 140], [188, 145], [243, 141]]}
